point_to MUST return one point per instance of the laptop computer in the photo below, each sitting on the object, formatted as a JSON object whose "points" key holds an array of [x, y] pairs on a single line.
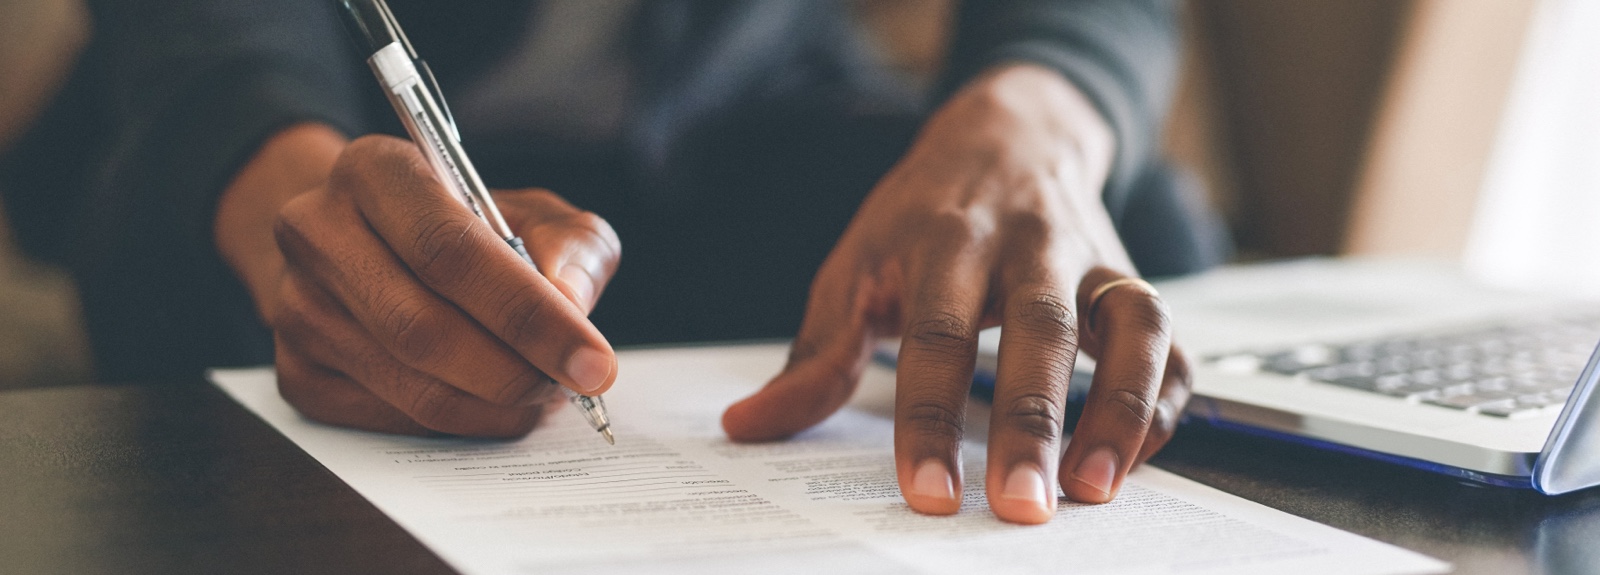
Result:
{"points": [[1401, 360]]}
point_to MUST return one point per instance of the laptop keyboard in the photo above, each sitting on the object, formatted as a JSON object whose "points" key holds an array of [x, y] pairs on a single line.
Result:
{"points": [[1507, 370]]}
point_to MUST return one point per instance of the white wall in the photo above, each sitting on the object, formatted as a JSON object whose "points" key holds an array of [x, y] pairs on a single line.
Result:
{"points": [[1537, 224]]}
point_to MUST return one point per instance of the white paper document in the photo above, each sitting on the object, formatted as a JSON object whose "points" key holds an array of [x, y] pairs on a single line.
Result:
{"points": [[675, 496]]}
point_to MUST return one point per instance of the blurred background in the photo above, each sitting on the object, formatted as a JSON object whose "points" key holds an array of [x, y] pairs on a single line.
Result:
{"points": [[1460, 129]]}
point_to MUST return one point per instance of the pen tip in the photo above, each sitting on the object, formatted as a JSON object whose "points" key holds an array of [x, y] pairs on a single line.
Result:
{"points": [[606, 433]]}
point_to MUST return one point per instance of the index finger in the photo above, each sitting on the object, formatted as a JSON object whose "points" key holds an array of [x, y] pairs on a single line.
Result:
{"points": [[1130, 329], [460, 258]]}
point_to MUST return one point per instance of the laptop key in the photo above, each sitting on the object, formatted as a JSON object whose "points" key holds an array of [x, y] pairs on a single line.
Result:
{"points": [[1506, 409], [1460, 371], [1494, 383], [1428, 358], [1462, 353], [1501, 371], [1414, 392], [1394, 364], [1359, 352], [1468, 401], [1344, 378], [1553, 388], [1533, 400], [1458, 389], [1294, 362]]}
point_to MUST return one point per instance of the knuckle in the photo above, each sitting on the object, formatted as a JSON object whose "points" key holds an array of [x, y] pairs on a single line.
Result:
{"points": [[293, 311], [935, 419], [353, 171], [1157, 316], [947, 226], [943, 331], [525, 385], [802, 349], [303, 309], [523, 424], [291, 228], [441, 244], [1047, 315], [414, 333], [295, 388], [309, 402], [442, 409], [368, 146], [1037, 415], [347, 167], [1141, 311], [1033, 225], [435, 408], [525, 322], [1138, 409], [302, 391]]}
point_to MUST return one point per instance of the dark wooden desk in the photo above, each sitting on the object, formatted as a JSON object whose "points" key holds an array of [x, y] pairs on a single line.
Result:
{"points": [[176, 479], [180, 479], [1486, 530]]}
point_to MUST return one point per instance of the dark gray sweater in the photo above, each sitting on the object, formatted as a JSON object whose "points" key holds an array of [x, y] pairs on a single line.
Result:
{"points": [[119, 180]]}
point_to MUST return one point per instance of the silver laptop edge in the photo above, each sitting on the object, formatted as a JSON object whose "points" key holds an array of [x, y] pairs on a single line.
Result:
{"points": [[1570, 459], [1552, 453]]}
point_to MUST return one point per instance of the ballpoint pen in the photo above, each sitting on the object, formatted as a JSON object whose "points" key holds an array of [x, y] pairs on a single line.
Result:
{"points": [[411, 88]]}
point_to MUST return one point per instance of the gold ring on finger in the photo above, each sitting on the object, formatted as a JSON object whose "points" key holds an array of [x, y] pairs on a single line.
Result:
{"points": [[1100, 292]]}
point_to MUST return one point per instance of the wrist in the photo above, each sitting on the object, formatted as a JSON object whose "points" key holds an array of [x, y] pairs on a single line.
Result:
{"points": [[289, 163]]}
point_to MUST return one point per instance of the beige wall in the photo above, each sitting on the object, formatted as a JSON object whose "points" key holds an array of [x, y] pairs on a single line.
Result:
{"points": [[1347, 126], [1440, 114], [1296, 84]]}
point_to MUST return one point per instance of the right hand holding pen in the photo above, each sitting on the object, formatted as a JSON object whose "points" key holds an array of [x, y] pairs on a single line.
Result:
{"points": [[396, 309]]}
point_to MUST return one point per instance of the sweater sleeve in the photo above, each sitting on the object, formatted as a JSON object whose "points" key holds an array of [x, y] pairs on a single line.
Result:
{"points": [[1121, 53], [191, 89]]}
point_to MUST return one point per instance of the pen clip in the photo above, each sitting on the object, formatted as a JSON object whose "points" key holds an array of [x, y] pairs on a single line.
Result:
{"points": [[438, 96], [393, 26], [423, 69]]}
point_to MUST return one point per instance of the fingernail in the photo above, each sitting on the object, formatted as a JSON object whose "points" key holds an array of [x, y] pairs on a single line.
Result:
{"points": [[933, 480], [1026, 483], [578, 280], [588, 369], [1097, 470]]}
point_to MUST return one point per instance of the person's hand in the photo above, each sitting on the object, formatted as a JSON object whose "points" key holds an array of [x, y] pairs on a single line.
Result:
{"points": [[993, 217], [394, 308]]}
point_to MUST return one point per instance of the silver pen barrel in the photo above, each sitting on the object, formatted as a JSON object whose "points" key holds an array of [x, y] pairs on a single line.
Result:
{"points": [[425, 120]]}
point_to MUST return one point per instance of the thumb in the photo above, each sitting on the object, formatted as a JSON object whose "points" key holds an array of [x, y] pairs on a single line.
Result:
{"points": [[825, 363]]}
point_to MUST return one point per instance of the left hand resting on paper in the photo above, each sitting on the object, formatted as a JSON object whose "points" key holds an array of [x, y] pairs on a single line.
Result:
{"points": [[994, 217]]}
